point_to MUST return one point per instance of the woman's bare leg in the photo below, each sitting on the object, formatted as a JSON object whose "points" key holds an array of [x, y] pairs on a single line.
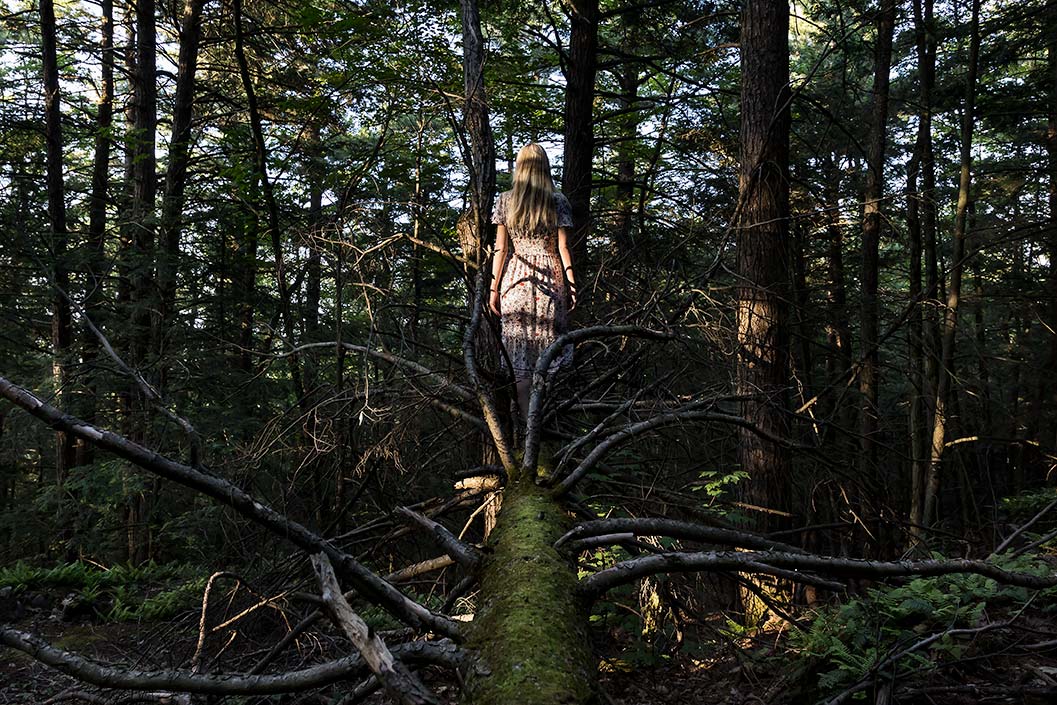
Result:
{"points": [[523, 387]]}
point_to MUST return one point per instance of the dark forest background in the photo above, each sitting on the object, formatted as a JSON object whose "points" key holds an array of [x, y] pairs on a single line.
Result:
{"points": [[245, 234]]}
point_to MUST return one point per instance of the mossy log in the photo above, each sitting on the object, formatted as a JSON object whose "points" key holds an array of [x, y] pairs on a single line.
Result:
{"points": [[530, 631]]}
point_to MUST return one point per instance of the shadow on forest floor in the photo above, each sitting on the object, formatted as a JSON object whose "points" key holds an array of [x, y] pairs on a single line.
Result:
{"points": [[988, 669]]}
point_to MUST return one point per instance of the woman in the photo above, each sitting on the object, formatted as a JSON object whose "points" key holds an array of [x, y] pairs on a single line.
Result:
{"points": [[534, 294]]}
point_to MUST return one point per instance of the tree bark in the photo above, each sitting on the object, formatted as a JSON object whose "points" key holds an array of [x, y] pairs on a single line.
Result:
{"points": [[950, 319], [139, 233], [61, 318], [763, 256], [272, 206], [871, 236], [763, 235], [97, 263], [474, 223], [176, 178], [837, 331], [921, 226], [579, 121], [628, 79], [530, 630], [1047, 391]]}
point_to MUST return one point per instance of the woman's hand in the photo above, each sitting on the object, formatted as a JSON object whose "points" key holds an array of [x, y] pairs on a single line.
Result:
{"points": [[493, 302], [572, 297]]}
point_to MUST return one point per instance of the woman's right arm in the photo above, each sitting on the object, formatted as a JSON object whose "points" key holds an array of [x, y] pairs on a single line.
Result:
{"points": [[498, 264]]}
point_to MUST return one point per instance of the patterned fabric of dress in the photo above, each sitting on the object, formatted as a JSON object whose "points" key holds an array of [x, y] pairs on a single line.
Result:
{"points": [[533, 295]]}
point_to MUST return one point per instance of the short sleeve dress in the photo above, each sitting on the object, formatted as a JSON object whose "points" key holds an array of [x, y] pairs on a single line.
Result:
{"points": [[534, 297]]}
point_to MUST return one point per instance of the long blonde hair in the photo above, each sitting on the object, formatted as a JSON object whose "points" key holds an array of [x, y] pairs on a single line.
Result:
{"points": [[532, 197]]}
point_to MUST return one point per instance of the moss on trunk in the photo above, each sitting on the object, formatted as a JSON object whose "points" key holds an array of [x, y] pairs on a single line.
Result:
{"points": [[531, 629]]}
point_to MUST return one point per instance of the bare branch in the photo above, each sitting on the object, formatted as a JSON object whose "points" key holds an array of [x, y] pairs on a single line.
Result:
{"points": [[484, 395], [398, 680], [442, 382], [368, 583], [675, 529], [539, 379], [467, 556], [1012, 537], [635, 429], [768, 561], [398, 576], [443, 652]]}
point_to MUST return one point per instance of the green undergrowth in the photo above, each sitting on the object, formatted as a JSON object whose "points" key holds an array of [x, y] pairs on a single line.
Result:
{"points": [[115, 594], [531, 636], [849, 642]]}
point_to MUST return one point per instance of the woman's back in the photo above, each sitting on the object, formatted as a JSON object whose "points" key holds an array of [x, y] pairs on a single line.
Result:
{"points": [[528, 234]]}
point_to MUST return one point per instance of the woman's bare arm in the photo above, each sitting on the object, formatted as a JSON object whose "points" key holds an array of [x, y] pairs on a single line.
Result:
{"points": [[502, 245], [567, 263]]}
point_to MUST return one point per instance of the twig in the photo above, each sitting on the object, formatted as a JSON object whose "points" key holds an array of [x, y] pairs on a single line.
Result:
{"points": [[1002, 546]]}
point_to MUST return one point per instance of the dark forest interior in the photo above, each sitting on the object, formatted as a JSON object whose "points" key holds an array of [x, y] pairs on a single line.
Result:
{"points": [[256, 443]]}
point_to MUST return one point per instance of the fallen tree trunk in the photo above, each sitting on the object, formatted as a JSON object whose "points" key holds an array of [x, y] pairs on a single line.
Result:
{"points": [[530, 630]]}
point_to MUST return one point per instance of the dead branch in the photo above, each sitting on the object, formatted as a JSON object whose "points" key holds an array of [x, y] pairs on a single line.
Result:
{"points": [[746, 561], [534, 422], [397, 679], [443, 652], [398, 576], [368, 583], [634, 429], [484, 395], [417, 569], [1012, 537], [466, 555], [442, 382], [675, 529]]}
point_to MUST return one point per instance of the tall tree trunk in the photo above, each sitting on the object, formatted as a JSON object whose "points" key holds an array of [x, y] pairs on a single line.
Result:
{"points": [[950, 319], [61, 319], [763, 246], [871, 235], [933, 286], [176, 178], [628, 78], [1047, 396], [124, 198], [837, 332], [139, 233], [474, 223], [272, 206], [579, 121], [245, 265], [921, 226], [97, 217], [802, 364], [314, 387]]}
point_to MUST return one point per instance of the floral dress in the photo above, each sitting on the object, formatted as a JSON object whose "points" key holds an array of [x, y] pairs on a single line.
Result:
{"points": [[533, 295]]}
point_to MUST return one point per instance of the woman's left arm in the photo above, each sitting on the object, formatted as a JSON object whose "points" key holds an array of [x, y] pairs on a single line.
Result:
{"points": [[567, 264]]}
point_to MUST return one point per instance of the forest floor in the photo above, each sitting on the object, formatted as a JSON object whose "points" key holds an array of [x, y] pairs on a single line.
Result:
{"points": [[991, 668]]}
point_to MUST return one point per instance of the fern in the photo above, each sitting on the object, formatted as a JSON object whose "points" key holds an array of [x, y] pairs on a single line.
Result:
{"points": [[852, 638]]}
